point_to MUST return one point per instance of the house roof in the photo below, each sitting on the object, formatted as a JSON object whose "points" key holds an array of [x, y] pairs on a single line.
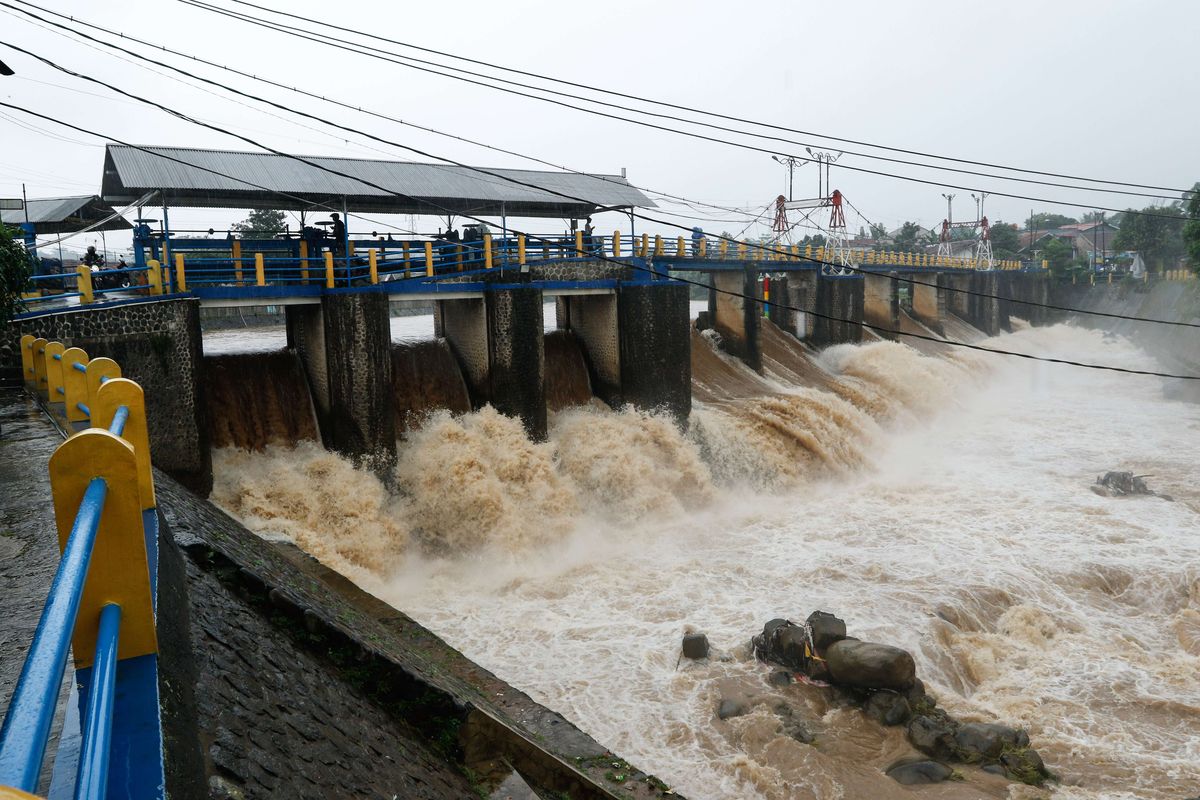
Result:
{"points": [[235, 179]]}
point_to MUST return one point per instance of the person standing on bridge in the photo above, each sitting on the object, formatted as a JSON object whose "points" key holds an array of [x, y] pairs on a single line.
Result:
{"points": [[338, 232], [697, 238]]}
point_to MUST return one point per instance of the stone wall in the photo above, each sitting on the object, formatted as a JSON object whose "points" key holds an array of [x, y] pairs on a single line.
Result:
{"points": [[593, 318], [156, 343], [929, 300], [464, 325]]}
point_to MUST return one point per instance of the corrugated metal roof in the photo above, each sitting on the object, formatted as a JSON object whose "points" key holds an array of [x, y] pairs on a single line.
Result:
{"points": [[189, 177], [65, 214]]}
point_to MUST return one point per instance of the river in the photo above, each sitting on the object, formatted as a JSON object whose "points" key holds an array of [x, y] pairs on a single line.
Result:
{"points": [[938, 504]]}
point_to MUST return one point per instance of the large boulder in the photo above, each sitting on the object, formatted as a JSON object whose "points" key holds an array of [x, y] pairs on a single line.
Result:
{"points": [[866, 665], [985, 741], [783, 643], [934, 734], [826, 629], [914, 772], [888, 708], [695, 646]]}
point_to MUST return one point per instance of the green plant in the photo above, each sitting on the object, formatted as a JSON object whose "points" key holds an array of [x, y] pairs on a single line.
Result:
{"points": [[16, 266]]}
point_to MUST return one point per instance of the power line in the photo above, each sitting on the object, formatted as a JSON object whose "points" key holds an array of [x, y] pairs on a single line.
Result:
{"points": [[364, 50], [650, 270], [315, 96], [374, 36], [508, 179]]}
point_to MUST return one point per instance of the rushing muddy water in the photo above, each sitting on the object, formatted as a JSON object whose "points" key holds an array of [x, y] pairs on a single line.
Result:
{"points": [[939, 504]]}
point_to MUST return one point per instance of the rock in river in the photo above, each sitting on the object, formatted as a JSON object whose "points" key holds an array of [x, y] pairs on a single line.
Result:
{"points": [[866, 665]]}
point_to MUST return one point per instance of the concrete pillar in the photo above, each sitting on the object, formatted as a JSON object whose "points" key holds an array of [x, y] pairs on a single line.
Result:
{"points": [[985, 312], [654, 324], [306, 335], [498, 342], [839, 310], [929, 301], [594, 321], [957, 302], [517, 362], [358, 340], [881, 302], [797, 291], [736, 315]]}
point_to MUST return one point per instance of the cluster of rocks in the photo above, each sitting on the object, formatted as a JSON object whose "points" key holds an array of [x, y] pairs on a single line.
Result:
{"points": [[1124, 484], [882, 681]]}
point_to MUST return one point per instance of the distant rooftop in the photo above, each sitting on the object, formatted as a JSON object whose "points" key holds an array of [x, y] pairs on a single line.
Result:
{"points": [[65, 214], [232, 179]]}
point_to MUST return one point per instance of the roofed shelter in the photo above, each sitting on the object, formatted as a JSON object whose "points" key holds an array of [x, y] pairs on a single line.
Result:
{"points": [[189, 177], [51, 215]]}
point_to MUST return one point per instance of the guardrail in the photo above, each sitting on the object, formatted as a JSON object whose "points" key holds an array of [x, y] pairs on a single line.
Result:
{"points": [[101, 603]]}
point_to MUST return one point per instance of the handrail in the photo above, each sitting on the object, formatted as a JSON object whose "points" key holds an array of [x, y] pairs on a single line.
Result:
{"points": [[27, 724], [100, 604]]}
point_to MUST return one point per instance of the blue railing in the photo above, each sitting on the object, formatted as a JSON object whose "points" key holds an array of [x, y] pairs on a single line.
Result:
{"points": [[100, 604]]}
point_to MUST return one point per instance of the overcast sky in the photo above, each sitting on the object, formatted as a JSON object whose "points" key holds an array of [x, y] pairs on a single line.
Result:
{"points": [[1104, 90]]}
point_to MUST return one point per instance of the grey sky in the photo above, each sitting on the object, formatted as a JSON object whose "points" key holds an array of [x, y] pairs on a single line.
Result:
{"points": [[1098, 89]]}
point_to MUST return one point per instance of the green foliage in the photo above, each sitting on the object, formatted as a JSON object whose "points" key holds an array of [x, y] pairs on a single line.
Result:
{"points": [[15, 268], [909, 236], [878, 231], [261, 224], [1058, 254], [1191, 229], [1005, 240], [1156, 233], [1046, 220]]}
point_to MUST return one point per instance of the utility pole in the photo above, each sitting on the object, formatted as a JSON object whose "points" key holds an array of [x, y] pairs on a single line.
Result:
{"points": [[823, 160], [791, 162]]}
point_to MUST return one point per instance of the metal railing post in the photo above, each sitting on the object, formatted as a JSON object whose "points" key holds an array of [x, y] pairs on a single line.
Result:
{"points": [[373, 261], [118, 393], [260, 272], [83, 284], [329, 283], [180, 275], [74, 363], [28, 375]]}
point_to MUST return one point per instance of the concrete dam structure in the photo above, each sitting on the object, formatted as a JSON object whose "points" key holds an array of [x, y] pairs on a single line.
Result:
{"points": [[354, 477]]}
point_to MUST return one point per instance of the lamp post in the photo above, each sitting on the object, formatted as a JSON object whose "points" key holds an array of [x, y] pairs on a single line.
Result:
{"points": [[791, 162]]}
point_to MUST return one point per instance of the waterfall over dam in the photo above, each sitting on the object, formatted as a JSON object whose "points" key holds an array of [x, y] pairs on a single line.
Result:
{"points": [[893, 486]]}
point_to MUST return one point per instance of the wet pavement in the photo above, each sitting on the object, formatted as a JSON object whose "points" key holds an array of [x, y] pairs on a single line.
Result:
{"points": [[28, 538]]}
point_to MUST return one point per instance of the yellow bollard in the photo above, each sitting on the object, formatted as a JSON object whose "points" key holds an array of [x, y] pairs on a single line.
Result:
{"points": [[404, 257], [28, 376], [260, 270], [373, 261], [118, 571], [616, 249], [679, 247], [54, 376], [741, 251], [645, 245], [124, 392], [74, 384], [180, 277], [521, 249], [237, 260], [83, 284], [724, 249], [154, 277], [579, 244], [303, 261], [458, 256], [429, 259], [99, 371], [39, 366], [487, 251], [328, 270], [658, 245], [703, 248]]}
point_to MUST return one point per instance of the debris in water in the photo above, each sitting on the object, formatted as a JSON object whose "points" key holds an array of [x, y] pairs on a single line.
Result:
{"points": [[1124, 484]]}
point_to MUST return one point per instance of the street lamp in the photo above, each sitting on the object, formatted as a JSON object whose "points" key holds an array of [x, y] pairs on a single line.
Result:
{"points": [[791, 162]]}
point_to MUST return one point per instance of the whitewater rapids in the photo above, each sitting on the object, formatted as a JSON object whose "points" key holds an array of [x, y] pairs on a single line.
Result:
{"points": [[938, 504]]}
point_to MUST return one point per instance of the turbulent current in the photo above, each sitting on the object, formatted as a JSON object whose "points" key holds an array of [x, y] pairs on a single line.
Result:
{"points": [[940, 503]]}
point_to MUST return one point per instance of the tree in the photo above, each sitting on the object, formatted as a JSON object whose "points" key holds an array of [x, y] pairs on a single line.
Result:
{"points": [[1092, 216], [1191, 229], [906, 240], [1005, 240], [15, 268], [878, 231], [1045, 221], [261, 224], [1156, 232], [1058, 254]]}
